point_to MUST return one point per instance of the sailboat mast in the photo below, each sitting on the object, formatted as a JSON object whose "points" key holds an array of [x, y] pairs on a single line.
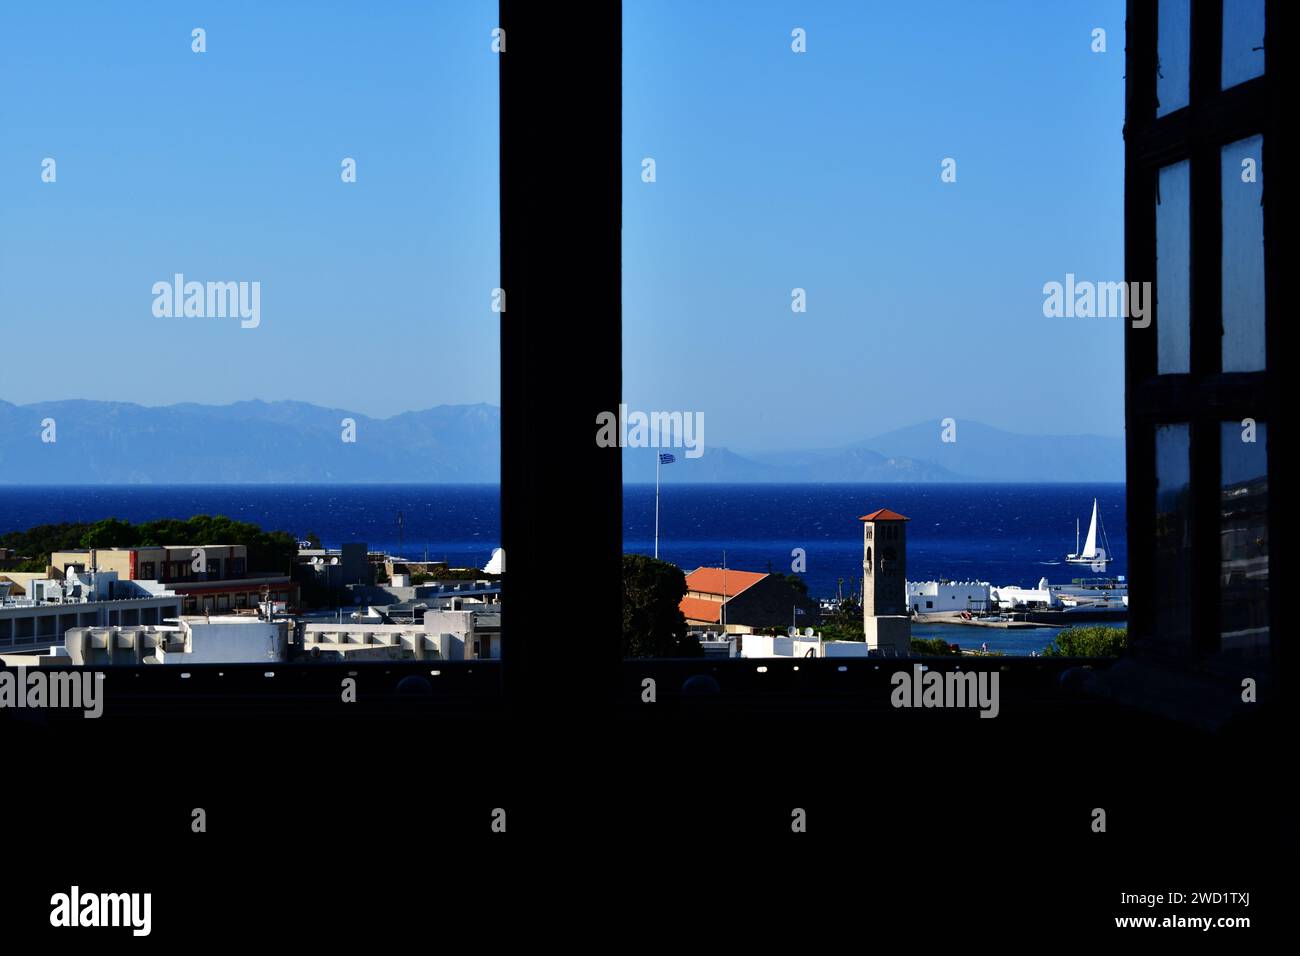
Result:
{"points": [[1106, 539]]}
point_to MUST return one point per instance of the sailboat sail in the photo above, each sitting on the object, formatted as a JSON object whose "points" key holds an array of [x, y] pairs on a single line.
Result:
{"points": [[1090, 546]]}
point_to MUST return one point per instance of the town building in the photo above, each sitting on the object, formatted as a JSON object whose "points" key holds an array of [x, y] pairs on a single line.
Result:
{"points": [[51, 607], [334, 567], [434, 594], [936, 597], [1013, 596], [212, 578], [188, 640], [735, 601], [470, 632], [795, 644]]}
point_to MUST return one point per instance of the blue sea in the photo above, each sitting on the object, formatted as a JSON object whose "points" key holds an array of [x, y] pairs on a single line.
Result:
{"points": [[459, 523], [1001, 533]]}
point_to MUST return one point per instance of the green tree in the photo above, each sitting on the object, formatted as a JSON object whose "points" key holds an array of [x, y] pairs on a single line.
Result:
{"points": [[1096, 641], [35, 545], [110, 533], [268, 551], [931, 646], [844, 623], [797, 583], [653, 623]]}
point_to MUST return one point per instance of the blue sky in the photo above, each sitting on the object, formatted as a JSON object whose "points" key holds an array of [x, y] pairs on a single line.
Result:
{"points": [[820, 170], [226, 166], [775, 170]]}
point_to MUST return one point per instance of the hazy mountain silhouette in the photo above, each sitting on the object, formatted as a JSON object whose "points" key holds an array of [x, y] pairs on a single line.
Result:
{"points": [[294, 442], [980, 453], [724, 465], [108, 442]]}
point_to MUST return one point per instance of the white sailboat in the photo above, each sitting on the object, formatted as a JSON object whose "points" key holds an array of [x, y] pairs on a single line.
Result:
{"points": [[1091, 554]]}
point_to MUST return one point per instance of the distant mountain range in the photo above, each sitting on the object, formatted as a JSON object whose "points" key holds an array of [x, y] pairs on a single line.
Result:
{"points": [[980, 453], [296, 442], [287, 442]]}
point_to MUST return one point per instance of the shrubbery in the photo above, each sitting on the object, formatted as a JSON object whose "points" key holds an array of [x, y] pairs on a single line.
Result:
{"points": [[931, 646], [1096, 641]]}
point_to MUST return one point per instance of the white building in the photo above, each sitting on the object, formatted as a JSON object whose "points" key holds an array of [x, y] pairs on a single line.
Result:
{"points": [[377, 642], [764, 645], [792, 648], [475, 627], [469, 633], [1012, 596], [83, 599], [188, 640], [796, 645], [933, 597]]}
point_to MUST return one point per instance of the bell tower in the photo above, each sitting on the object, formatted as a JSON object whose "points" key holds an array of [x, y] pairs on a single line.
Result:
{"points": [[885, 620]]}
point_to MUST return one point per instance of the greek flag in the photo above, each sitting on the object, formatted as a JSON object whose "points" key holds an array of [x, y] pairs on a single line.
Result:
{"points": [[666, 459]]}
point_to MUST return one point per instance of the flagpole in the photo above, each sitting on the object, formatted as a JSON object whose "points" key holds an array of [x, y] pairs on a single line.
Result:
{"points": [[723, 610], [657, 464]]}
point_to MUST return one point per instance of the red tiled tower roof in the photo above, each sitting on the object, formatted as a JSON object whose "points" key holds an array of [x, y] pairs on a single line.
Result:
{"points": [[884, 514]]}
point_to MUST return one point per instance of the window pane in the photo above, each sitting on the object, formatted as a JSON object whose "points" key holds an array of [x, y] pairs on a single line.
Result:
{"points": [[1243, 540], [1173, 47], [1242, 169], [1173, 269], [785, 325], [327, 202], [1243, 41], [1173, 544]]}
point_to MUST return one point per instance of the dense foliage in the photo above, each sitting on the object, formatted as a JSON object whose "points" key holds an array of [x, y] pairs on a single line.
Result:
{"points": [[844, 623], [453, 574], [1094, 641], [799, 585], [653, 624], [268, 551], [931, 646]]}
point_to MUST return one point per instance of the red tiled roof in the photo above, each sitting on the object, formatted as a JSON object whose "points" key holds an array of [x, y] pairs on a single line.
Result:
{"points": [[884, 514], [698, 609], [709, 580]]}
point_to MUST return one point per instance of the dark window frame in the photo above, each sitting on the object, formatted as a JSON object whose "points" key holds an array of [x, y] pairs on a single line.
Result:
{"points": [[560, 146], [1206, 396]]}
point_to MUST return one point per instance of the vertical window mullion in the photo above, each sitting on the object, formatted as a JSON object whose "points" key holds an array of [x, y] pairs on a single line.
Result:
{"points": [[1206, 189], [1206, 506], [1207, 50]]}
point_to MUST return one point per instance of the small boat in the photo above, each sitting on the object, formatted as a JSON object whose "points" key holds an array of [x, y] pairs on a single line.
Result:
{"points": [[1090, 554]]}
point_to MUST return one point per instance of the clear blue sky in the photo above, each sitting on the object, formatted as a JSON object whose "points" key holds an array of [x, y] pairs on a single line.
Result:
{"points": [[775, 170], [225, 166], [821, 171]]}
